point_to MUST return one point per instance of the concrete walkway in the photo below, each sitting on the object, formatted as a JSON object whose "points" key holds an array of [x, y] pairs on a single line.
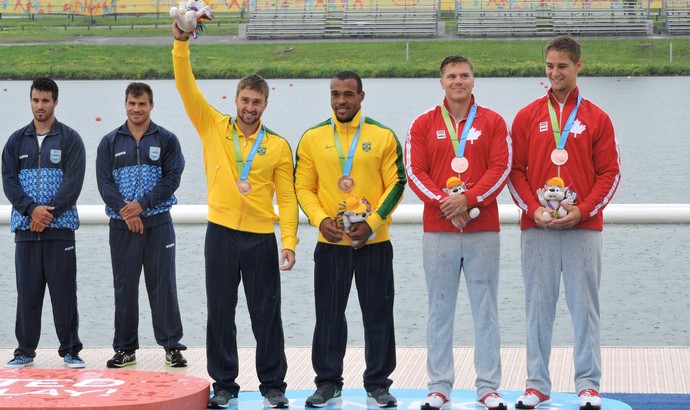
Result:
{"points": [[625, 369]]}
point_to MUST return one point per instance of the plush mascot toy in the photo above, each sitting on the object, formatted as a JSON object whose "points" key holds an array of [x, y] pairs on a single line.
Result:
{"points": [[191, 15], [553, 195], [454, 186], [356, 211]]}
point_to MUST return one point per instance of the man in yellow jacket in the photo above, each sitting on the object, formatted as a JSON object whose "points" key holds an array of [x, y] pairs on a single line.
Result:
{"points": [[246, 164], [350, 168]]}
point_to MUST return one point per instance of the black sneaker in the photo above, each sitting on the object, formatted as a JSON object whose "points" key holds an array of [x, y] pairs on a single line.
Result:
{"points": [[222, 399], [326, 393], [381, 397], [276, 398], [174, 358], [122, 359]]}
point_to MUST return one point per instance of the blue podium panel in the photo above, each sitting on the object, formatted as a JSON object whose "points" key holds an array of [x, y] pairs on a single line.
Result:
{"points": [[411, 399]]}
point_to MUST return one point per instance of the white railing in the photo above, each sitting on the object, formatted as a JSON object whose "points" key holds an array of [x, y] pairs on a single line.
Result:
{"points": [[412, 214]]}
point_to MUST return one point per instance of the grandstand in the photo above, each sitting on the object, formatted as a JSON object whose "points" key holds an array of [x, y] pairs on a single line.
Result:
{"points": [[347, 19], [677, 15], [508, 18]]}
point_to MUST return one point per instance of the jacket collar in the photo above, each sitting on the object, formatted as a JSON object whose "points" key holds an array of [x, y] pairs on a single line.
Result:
{"points": [[30, 129], [344, 127]]}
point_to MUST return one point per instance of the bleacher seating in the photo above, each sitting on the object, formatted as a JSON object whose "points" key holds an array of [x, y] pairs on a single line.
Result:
{"points": [[417, 21], [280, 23], [553, 17], [367, 18], [677, 15], [629, 19], [497, 22]]}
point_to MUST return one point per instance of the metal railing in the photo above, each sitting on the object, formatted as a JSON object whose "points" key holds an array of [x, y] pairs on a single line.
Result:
{"points": [[412, 214]]}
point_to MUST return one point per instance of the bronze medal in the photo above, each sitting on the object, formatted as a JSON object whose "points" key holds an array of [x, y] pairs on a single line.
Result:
{"points": [[244, 186], [459, 164], [346, 184], [559, 156]]}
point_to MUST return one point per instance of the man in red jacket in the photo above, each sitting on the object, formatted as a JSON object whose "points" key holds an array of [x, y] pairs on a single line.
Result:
{"points": [[565, 147], [457, 158]]}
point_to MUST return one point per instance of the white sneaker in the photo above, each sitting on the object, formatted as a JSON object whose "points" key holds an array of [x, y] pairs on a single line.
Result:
{"points": [[435, 400], [494, 401], [590, 400], [531, 399]]}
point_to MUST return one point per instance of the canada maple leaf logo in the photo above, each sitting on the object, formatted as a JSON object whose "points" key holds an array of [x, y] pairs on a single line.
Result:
{"points": [[473, 135], [577, 128]]}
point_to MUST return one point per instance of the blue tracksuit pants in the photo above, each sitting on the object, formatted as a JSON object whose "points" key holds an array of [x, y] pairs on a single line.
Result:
{"points": [[155, 251], [37, 264]]}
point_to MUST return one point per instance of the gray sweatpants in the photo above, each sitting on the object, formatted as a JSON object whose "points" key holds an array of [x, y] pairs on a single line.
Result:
{"points": [[446, 255], [576, 253]]}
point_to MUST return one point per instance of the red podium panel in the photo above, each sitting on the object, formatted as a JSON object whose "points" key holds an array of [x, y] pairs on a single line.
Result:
{"points": [[100, 389]]}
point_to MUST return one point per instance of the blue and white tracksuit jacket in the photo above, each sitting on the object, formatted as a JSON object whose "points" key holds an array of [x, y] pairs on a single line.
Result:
{"points": [[51, 175], [147, 171]]}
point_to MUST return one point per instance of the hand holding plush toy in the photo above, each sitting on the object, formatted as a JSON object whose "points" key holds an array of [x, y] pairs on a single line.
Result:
{"points": [[553, 195], [190, 16], [356, 211], [454, 186]]}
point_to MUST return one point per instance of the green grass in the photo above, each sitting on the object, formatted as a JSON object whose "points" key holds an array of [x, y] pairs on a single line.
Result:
{"points": [[289, 59], [492, 58]]}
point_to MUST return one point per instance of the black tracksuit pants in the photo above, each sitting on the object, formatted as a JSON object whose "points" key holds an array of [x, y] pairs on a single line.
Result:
{"points": [[233, 256], [372, 269]]}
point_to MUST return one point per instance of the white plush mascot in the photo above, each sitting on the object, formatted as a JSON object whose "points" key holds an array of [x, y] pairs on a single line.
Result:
{"points": [[553, 195], [356, 211], [454, 186], [190, 16]]}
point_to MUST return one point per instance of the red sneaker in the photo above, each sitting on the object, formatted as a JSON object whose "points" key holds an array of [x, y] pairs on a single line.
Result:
{"points": [[531, 399], [590, 400]]}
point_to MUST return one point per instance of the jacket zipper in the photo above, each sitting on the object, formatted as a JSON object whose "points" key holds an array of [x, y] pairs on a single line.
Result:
{"points": [[38, 177], [138, 172]]}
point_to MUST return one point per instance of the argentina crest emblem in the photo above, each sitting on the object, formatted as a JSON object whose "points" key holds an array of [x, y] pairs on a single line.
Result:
{"points": [[366, 146], [261, 150], [55, 156], [154, 153]]}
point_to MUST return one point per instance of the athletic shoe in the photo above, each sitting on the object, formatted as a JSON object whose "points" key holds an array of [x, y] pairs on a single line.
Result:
{"points": [[73, 361], [590, 400], [494, 401], [174, 358], [326, 393], [531, 399], [434, 401], [21, 361], [222, 399], [122, 359], [381, 397], [275, 398]]}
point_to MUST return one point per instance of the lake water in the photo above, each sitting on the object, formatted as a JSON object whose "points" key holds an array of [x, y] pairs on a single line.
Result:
{"points": [[645, 280]]}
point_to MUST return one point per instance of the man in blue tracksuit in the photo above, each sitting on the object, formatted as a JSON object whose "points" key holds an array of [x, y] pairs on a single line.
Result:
{"points": [[43, 168], [138, 169]]}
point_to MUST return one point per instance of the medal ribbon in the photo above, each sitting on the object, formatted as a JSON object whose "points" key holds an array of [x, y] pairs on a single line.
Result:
{"points": [[561, 139], [346, 166], [459, 148], [244, 168]]}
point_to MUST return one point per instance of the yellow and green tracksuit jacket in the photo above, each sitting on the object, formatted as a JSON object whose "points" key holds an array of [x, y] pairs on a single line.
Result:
{"points": [[271, 172], [377, 170]]}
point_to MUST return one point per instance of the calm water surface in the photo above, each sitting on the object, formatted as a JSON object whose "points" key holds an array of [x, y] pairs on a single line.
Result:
{"points": [[645, 281]]}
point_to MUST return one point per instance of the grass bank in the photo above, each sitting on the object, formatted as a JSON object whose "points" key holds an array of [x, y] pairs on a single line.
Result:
{"points": [[492, 58]]}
